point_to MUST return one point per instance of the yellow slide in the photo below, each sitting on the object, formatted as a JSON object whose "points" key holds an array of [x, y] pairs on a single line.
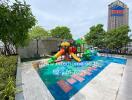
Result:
{"points": [[53, 58], [59, 53], [75, 57]]}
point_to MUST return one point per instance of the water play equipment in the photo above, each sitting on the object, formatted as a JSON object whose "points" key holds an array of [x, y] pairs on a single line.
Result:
{"points": [[89, 54], [65, 50], [75, 57]]}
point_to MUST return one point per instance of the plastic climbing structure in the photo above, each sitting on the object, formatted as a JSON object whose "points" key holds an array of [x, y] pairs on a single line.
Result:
{"points": [[66, 50], [69, 50]]}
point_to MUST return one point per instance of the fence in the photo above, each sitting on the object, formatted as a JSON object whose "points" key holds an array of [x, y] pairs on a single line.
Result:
{"points": [[42, 47]]}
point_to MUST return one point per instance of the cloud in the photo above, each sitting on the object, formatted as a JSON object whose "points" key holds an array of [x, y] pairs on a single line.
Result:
{"points": [[78, 15]]}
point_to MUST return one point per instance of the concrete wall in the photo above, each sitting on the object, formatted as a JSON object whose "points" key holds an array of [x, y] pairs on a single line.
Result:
{"points": [[45, 47]]}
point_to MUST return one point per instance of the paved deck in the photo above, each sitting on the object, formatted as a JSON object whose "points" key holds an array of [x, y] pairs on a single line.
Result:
{"points": [[125, 90], [104, 86], [31, 84]]}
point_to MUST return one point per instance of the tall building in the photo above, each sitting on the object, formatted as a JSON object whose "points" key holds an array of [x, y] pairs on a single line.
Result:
{"points": [[118, 14]]}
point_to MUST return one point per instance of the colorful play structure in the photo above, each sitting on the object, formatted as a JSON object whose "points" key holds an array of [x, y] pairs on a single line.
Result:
{"points": [[71, 50]]}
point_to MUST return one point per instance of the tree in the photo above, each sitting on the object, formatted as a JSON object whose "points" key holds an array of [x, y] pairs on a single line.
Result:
{"points": [[38, 32], [95, 35], [61, 32], [15, 22], [117, 38]]}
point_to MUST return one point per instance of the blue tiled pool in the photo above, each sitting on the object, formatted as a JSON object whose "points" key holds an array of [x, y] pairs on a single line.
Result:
{"points": [[67, 78]]}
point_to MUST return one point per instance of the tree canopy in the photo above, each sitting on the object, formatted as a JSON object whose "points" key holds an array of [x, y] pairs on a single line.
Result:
{"points": [[95, 35], [38, 32], [15, 21], [61, 32], [117, 38]]}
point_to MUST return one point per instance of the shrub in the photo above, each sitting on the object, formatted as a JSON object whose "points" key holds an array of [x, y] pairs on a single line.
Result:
{"points": [[7, 77]]}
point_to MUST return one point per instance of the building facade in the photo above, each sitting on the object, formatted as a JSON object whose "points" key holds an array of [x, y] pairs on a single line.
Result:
{"points": [[118, 15]]}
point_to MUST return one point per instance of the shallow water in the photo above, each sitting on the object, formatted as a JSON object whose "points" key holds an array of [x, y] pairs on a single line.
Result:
{"points": [[51, 74]]}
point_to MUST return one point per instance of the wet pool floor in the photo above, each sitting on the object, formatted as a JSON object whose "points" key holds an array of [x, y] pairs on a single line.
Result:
{"points": [[67, 78]]}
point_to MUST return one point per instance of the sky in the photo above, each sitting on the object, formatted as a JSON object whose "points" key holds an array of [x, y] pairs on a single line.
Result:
{"points": [[78, 15]]}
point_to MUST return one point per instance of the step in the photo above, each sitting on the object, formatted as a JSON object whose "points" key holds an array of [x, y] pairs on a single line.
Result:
{"points": [[64, 86], [80, 79], [71, 80]]}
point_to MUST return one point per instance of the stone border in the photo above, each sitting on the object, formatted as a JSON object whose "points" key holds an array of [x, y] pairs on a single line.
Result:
{"points": [[19, 95], [30, 84]]}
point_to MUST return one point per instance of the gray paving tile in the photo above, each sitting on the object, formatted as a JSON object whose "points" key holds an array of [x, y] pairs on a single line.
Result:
{"points": [[122, 97], [104, 86], [125, 90], [33, 87]]}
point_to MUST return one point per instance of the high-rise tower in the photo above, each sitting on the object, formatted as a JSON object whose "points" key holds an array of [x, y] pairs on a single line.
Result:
{"points": [[118, 14]]}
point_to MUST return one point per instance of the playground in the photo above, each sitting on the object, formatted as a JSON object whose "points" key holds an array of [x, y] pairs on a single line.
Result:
{"points": [[74, 72], [69, 70], [65, 50]]}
